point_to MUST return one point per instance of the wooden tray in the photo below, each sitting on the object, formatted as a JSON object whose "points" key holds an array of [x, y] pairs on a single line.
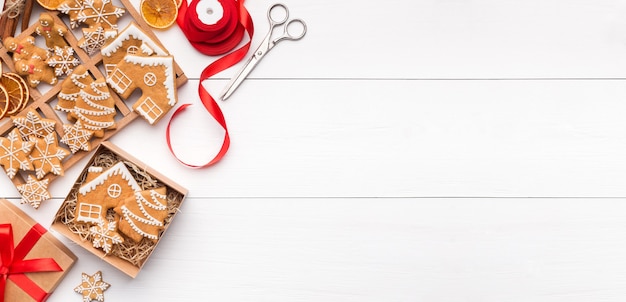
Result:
{"points": [[41, 100]]}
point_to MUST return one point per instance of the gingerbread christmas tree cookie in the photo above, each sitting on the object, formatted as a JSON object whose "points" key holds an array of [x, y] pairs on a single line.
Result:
{"points": [[143, 214], [34, 191], [70, 89], [47, 155], [14, 153], [95, 108]]}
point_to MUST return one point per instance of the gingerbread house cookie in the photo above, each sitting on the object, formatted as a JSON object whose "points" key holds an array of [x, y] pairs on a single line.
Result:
{"points": [[103, 190], [155, 77], [132, 40]]}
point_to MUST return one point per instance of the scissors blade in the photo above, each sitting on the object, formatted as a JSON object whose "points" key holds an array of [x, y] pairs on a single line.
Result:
{"points": [[239, 77]]}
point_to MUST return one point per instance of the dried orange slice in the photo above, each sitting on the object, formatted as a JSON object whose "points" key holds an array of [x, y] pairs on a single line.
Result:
{"points": [[15, 92], [24, 86], [4, 102], [159, 13], [50, 4]]}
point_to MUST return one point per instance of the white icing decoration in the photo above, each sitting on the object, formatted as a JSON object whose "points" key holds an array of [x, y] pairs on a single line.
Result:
{"points": [[117, 169], [148, 46], [131, 217], [166, 62], [15, 147]]}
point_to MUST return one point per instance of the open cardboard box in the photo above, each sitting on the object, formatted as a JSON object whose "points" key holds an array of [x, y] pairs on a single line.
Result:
{"points": [[128, 256], [47, 246]]}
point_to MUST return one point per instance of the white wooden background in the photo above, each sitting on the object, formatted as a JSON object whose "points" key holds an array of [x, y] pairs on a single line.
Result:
{"points": [[423, 150]]}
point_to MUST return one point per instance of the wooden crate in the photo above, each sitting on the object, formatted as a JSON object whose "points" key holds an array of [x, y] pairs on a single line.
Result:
{"points": [[41, 100]]}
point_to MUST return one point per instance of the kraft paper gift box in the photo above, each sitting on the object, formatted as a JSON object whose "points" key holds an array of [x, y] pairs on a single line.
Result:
{"points": [[28, 279], [128, 256]]}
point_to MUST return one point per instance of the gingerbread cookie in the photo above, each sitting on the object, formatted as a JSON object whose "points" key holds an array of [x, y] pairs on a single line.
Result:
{"points": [[14, 153], [36, 71], [92, 12], [132, 40], [92, 287], [76, 137], [46, 156], [156, 78], [34, 191], [94, 38], [143, 214], [104, 235], [70, 89], [33, 125], [53, 33], [24, 48], [95, 108], [63, 60], [103, 189]]}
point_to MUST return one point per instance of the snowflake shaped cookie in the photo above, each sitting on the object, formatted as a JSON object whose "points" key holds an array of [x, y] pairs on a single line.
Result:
{"points": [[14, 153], [105, 235], [92, 287], [94, 38], [92, 12], [34, 191], [63, 61], [47, 155], [76, 137], [33, 125]]}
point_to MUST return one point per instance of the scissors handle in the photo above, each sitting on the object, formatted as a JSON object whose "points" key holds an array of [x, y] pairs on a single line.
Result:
{"points": [[288, 34], [280, 9]]}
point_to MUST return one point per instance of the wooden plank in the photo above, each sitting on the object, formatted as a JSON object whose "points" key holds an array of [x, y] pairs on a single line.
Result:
{"points": [[305, 138], [379, 249], [439, 39]]}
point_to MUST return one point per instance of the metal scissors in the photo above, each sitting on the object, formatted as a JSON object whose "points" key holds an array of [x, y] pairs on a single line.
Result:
{"points": [[267, 44]]}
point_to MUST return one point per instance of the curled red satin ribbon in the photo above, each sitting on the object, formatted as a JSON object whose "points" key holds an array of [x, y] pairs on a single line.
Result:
{"points": [[13, 266], [205, 37]]}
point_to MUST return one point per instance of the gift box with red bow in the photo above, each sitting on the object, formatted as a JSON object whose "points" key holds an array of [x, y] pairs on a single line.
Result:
{"points": [[32, 261]]}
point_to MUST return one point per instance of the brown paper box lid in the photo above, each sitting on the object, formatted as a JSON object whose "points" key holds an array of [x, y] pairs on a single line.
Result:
{"points": [[48, 246]]}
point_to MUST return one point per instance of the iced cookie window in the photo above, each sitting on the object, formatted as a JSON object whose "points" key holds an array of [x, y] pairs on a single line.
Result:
{"points": [[114, 190]]}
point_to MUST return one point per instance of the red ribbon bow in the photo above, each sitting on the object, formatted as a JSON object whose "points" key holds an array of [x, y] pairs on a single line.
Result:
{"points": [[13, 266], [225, 38], [18, 49]]}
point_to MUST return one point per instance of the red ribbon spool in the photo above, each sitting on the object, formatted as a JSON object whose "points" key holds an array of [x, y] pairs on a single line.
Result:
{"points": [[214, 39], [211, 39]]}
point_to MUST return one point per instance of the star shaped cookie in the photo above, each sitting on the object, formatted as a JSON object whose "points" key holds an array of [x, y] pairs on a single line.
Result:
{"points": [[105, 235], [76, 137], [47, 155], [92, 287], [14, 153], [34, 191], [33, 125]]}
